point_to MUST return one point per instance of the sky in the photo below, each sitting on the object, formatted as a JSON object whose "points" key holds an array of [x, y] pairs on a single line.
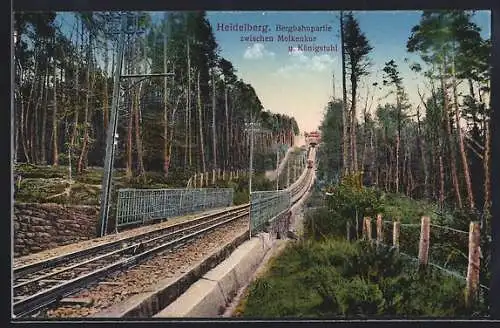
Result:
{"points": [[299, 82], [291, 80]]}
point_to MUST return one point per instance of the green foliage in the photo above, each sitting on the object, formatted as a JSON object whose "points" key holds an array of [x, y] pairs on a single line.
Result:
{"points": [[264, 162], [405, 209], [331, 136], [357, 297], [374, 263], [334, 278], [240, 197], [346, 203]]}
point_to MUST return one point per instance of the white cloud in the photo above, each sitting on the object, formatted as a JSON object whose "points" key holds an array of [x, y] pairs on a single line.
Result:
{"points": [[257, 51], [301, 63]]}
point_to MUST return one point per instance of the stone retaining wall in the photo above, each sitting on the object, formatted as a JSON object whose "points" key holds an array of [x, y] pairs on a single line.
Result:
{"points": [[38, 227]]}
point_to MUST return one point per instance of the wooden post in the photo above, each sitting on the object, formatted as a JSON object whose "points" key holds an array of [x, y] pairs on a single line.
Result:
{"points": [[194, 181], [423, 249], [348, 226], [201, 180], [206, 178], [230, 175], [379, 229], [213, 176], [367, 228], [395, 234], [474, 262]]}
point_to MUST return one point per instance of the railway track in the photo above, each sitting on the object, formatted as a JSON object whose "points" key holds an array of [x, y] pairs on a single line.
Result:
{"points": [[41, 284]]}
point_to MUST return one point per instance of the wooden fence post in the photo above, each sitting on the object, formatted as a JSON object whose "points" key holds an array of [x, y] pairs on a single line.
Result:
{"points": [[206, 179], [348, 226], [194, 181], [395, 234], [423, 249], [367, 228], [213, 176], [379, 229], [474, 264]]}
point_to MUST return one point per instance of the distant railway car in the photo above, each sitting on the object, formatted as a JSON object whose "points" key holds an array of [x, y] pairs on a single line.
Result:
{"points": [[313, 138], [310, 163]]}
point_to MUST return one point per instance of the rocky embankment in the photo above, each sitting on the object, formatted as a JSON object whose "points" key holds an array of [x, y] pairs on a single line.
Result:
{"points": [[38, 227]]}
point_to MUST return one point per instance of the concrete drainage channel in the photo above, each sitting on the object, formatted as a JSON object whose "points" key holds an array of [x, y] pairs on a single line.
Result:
{"points": [[208, 287], [147, 304], [210, 295]]}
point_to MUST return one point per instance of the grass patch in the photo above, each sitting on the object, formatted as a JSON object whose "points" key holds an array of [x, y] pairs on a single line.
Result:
{"points": [[47, 184], [336, 279]]}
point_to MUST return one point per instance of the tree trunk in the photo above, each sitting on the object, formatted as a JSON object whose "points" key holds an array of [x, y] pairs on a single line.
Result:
{"points": [[200, 117], [186, 129], [86, 123], [345, 120], [172, 129], [373, 154], [166, 155], [189, 105], [55, 121], [421, 145], [460, 136], [363, 155], [22, 125], [129, 172], [76, 118], [43, 146], [398, 143], [354, 152], [441, 181], [451, 142], [105, 105], [226, 166], [487, 173], [35, 125], [138, 139], [213, 121]]}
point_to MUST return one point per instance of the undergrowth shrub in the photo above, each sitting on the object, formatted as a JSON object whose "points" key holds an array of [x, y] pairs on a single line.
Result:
{"points": [[359, 297], [347, 202], [335, 278]]}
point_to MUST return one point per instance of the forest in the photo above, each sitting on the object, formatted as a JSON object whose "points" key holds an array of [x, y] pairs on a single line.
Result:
{"points": [[191, 121], [392, 165], [438, 149]]}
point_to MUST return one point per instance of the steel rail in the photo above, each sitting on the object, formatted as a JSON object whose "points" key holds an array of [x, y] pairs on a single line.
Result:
{"points": [[26, 269], [123, 250], [45, 298]]}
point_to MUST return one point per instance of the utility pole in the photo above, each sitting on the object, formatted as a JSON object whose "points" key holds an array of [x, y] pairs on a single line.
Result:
{"points": [[277, 165], [110, 134], [112, 128], [251, 158]]}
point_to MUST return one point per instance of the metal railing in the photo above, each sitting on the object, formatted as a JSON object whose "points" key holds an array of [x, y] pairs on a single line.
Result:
{"points": [[141, 205], [265, 205]]}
